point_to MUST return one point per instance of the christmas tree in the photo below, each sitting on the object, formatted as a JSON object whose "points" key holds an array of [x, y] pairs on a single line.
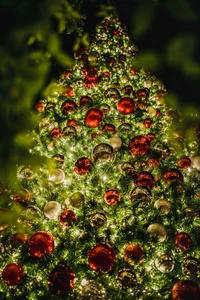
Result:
{"points": [[113, 212]]}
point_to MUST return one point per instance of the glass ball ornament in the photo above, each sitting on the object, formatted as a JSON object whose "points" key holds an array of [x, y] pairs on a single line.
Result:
{"points": [[101, 258], [185, 290], [18, 239], [67, 218], [52, 210], [195, 160], [112, 197], [109, 128], [163, 206], [191, 266], [22, 196], [139, 146], [133, 253], [68, 106], [12, 274], [69, 131], [93, 56], [61, 280], [85, 101], [112, 93], [145, 179], [115, 142], [41, 244], [58, 159], [184, 162], [77, 199], [127, 169], [56, 133], [125, 128], [172, 174], [83, 166], [126, 105], [93, 117], [56, 176], [157, 232], [141, 196], [31, 214], [127, 279], [98, 219], [183, 240], [91, 290], [103, 153], [26, 174], [165, 263]]}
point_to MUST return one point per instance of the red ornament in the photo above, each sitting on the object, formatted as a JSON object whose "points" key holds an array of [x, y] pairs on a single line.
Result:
{"points": [[116, 32], [22, 196], [151, 137], [67, 218], [133, 252], [183, 240], [109, 128], [101, 258], [142, 94], [80, 51], [68, 91], [12, 274], [141, 105], [93, 117], [145, 179], [128, 90], [82, 166], [153, 162], [72, 123], [18, 239], [68, 73], [39, 106], [185, 290], [172, 174], [112, 197], [91, 79], [68, 106], [184, 162], [126, 105], [41, 244], [61, 280], [55, 133], [110, 61], [85, 100], [139, 146], [147, 123]]}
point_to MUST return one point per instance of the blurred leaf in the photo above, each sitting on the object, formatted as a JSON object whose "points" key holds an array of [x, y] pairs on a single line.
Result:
{"points": [[148, 60], [182, 10], [142, 18]]}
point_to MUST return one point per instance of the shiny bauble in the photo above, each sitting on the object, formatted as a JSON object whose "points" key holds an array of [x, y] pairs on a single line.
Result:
{"points": [[52, 210], [98, 219], [163, 206], [68, 106], [12, 274], [103, 153], [56, 176], [191, 266], [112, 197], [115, 142], [67, 218], [133, 253], [93, 117], [157, 232], [127, 279], [41, 244], [184, 162], [172, 174], [91, 290], [183, 240], [165, 263], [83, 166], [101, 258], [185, 290], [77, 199], [139, 146], [145, 179], [126, 105], [195, 159]]}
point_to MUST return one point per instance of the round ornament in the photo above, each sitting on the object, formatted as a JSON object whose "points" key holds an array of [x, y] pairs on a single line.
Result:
{"points": [[163, 206], [91, 79], [127, 279], [109, 128], [98, 219], [157, 232], [112, 93], [151, 137], [142, 94], [85, 101], [125, 128], [183, 240], [67, 218], [145, 179], [52, 210], [126, 105], [22, 196], [128, 90], [103, 153], [41, 244], [115, 142], [141, 196], [26, 174], [133, 253], [112, 197], [68, 106], [185, 290], [101, 258], [127, 169], [172, 174], [69, 131], [191, 266], [139, 146], [56, 133], [184, 162], [165, 263], [147, 123], [58, 159], [93, 117], [61, 280], [82, 166], [57, 176], [12, 274], [91, 290], [77, 199], [31, 214], [195, 159], [18, 239]]}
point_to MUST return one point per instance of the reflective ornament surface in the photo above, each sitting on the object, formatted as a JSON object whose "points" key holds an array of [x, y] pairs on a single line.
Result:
{"points": [[195, 159], [133, 253], [172, 174], [103, 153], [52, 210], [139, 146], [67, 218], [68, 106], [127, 169], [145, 179], [12, 274], [126, 105], [165, 263], [184, 162], [127, 279], [191, 266], [91, 290], [57, 176], [115, 142], [77, 199], [82, 166], [93, 117], [101, 258], [185, 290], [112, 197], [41, 244], [157, 232], [61, 280], [98, 219], [163, 206], [183, 240]]}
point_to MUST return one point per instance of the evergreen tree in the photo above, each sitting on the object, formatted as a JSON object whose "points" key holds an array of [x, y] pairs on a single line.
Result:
{"points": [[113, 211]]}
